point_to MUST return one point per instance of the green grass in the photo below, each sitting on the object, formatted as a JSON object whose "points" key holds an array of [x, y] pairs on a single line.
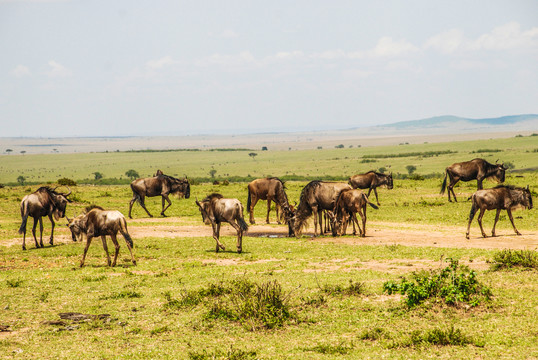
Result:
{"points": [[280, 298]]}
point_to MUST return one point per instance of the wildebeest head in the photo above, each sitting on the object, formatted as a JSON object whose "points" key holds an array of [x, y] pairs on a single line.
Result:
{"points": [[389, 181], [500, 172], [60, 203], [526, 198], [181, 186], [204, 208], [77, 226]]}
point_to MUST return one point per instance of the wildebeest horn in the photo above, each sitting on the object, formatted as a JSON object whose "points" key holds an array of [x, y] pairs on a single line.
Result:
{"points": [[69, 193], [197, 202], [68, 219], [527, 187]]}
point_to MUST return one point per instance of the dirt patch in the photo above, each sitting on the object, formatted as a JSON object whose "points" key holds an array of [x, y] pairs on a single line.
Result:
{"points": [[378, 233]]}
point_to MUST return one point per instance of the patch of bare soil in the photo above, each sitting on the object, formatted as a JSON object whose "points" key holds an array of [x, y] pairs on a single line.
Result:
{"points": [[378, 233]]}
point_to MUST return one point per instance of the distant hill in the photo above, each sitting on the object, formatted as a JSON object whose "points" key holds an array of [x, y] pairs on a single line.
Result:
{"points": [[461, 122]]}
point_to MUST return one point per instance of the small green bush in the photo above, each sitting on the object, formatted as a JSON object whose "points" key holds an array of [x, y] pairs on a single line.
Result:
{"points": [[438, 337], [232, 354], [454, 284], [329, 349], [507, 259]]}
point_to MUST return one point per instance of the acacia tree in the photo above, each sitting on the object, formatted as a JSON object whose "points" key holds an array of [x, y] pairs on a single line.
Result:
{"points": [[411, 169], [132, 174], [21, 179], [212, 173], [252, 155], [97, 175]]}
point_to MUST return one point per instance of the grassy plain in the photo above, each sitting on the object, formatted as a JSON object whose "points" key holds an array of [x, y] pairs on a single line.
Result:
{"points": [[38, 284]]}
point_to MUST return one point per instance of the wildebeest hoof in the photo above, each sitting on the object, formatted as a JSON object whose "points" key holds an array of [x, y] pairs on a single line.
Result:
{"points": [[162, 214], [134, 262], [239, 250], [24, 247], [518, 233]]}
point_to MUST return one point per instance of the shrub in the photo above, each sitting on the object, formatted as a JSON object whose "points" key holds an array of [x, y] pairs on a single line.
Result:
{"points": [[13, 283], [354, 288], [66, 182], [454, 284], [329, 349], [439, 337], [507, 259], [232, 354]]}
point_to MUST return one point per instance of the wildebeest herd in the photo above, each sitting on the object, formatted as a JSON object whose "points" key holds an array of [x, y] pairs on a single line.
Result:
{"points": [[338, 201]]}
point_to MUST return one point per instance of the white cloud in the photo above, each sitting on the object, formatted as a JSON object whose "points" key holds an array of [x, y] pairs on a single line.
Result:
{"points": [[505, 37], [508, 36], [446, 42], [58, 70], [243, 58], [160, 63], [387, 47], [228, 34], [20, 71]]}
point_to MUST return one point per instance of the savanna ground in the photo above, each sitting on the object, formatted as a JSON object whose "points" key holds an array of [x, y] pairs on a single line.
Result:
{"points": [[176, 302]]}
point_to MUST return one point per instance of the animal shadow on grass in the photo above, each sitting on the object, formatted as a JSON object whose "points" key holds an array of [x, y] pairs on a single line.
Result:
{"points": [[227, 251]]}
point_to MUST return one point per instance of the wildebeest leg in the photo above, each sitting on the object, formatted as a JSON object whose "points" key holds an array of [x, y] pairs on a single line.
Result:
{"points": [[268, 210], [453, 181], [88, 242], [52, 229], [316, 213], [471, 216], [41, 231], [363, 217], [480, 216], [105, 247], [142, 203], [479, 184], [495, 223], [33, 233], [254, 200], [512, 221], [216, 235], [165, 197], [131, 205], [117, 246], [24, 240], [278, 211], [130, 250], [237, 228], [376, 199]]}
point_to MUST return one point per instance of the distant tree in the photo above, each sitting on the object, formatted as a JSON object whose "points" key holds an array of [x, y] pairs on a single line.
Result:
{"points": [[21, 179], [320, 147], [264, 148], [67, 182], [252, 155], [97, 175], [341, 146], [212, 173], [8, 150], [509, 165], [132, 174], [382, 169], [411, 169]]}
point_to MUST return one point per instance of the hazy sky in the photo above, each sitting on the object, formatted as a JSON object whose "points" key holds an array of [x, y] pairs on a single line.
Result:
{"points": [[108, 68]]}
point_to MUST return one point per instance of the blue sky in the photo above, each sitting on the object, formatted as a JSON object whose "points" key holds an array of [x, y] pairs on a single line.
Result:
{"points": [[113, 68]]}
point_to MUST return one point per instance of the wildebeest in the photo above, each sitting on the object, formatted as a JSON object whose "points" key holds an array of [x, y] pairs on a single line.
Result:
{"points": [[215, 209], [476, 169], [371, 180], [159, 185], [270, 189], [316, 196], [349, 203], [99, 222], [42, 202], [501, 197]]}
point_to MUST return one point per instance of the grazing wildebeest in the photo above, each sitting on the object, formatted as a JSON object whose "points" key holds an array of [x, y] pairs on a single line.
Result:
{"points": [[99, 222], [476, 169], [316, 196], [349, 203], [371, 180], [43, 202], [215, 209], [501, 197], [270, 189], [159, 185]]}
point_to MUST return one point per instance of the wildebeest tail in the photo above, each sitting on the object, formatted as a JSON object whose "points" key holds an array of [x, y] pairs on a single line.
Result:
{"points": [[369, 203], [248, 200], [125, 233], [473, 208], [24, 215], [443, 187], [242, 224]]}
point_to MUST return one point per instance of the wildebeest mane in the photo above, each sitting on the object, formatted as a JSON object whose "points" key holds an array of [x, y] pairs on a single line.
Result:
{"points": [[212, 197], [89, 208], [278, 179], [303, 209]]}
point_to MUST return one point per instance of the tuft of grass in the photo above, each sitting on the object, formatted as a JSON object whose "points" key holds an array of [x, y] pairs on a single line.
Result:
{"points": [[231, 354], [454, 284], [438, 337], [93, 278], [329, 349], [159, 330], [373, 334], [125, 294], [507, 259], [354, 288], [14, 283]]}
